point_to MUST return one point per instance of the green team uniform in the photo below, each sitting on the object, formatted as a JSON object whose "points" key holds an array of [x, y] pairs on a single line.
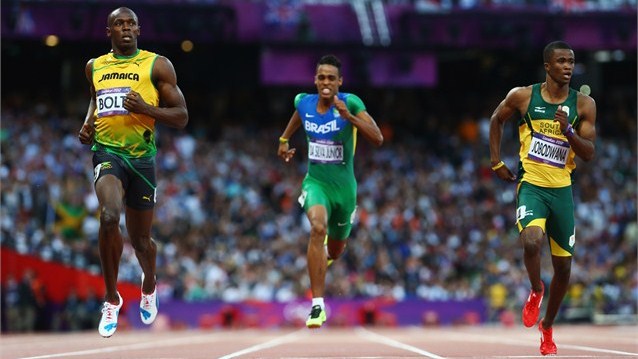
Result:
{"points": [[330, 180], [545, 170]]}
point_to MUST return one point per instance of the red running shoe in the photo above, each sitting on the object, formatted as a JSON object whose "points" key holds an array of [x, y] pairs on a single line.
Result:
{"points": [[548, 347], [532, 307]]}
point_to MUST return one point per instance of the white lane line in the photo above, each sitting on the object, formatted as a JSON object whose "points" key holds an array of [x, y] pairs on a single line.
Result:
{"points": [[481, 338], [540, 356], [269, 344], [137, 346], [373, 337], [596, 350]]}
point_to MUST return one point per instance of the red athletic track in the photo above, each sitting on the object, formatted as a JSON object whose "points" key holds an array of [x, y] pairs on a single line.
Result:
{"points": [[581, 341]]}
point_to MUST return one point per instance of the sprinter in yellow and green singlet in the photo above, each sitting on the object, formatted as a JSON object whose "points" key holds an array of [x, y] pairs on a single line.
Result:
{"points": [[331, 121], [130, 90], [555, 124]]}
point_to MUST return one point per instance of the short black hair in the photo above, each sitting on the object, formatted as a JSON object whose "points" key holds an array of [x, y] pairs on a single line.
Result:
{"points": [[330, 60], [555, 45], [111, 17]]}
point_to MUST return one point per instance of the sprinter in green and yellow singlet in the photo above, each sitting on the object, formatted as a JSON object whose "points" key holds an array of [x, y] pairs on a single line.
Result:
{"points": [[556, 124], [331, 121], [130, 90]]}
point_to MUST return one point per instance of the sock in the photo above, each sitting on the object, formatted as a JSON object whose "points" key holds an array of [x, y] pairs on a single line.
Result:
{"points": [[318, 301]]}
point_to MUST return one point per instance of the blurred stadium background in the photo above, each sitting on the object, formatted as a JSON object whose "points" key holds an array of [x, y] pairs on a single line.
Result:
{"points": [[435, 241]]}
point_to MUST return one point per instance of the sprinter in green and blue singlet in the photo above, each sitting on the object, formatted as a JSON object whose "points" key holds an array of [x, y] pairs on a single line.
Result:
{"points": [[556, 124], [331, 121]]}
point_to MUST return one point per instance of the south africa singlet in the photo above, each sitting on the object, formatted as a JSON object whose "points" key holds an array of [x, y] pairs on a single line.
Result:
{"points": [[127, 134], [547, 159], [331, 139]]}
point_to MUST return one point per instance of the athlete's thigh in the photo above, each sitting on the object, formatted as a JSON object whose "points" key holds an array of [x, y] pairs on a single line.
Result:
{"points": [[313, 193], [561, 230], [344, 204], [110, 178], [141, 191], [532, 206]]}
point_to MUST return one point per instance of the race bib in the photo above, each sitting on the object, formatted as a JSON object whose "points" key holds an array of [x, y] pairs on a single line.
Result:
{"points": [[111, 101], [548, 150], [325, 151]]}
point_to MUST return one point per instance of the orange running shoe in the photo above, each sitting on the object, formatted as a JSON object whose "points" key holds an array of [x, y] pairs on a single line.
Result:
{"points": [[548, 347], [532, 307]]}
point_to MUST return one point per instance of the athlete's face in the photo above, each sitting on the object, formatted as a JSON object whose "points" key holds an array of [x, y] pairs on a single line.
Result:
{"points": [[123, 30], [561, 65], [327, 81]]}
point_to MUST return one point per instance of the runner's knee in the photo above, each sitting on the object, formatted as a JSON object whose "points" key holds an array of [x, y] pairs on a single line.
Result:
{"points": [[318, 229], [563, 268], [532, 237], [109, 217]]}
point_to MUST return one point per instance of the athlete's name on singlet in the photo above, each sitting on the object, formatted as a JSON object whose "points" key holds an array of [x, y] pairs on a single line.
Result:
{"points": [[110, 101], [120, 76], [325, 151], [548, 150]]}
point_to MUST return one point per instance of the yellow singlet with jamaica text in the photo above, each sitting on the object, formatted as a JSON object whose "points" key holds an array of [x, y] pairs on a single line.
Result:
{"points": [[116, 130]]}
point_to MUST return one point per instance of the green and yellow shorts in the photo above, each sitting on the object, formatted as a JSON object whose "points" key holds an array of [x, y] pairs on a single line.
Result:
{"points": [[552, 209]]}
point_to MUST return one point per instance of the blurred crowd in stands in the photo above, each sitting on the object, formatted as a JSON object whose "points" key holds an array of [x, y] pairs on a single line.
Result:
{"points": [[432, 223]]}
